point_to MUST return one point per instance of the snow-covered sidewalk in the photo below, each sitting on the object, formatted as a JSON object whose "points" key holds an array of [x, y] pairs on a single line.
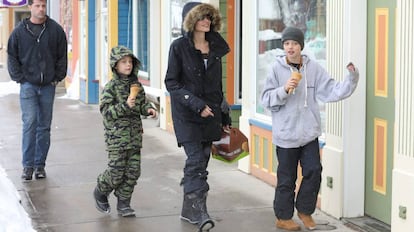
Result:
{"points": [[13, 217]]}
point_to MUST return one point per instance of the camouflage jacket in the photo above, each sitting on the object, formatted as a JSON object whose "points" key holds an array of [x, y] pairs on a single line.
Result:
{"points": [[123, 125]]}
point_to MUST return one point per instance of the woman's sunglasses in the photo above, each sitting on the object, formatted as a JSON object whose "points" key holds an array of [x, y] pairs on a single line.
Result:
{"points": [[206, 16]]}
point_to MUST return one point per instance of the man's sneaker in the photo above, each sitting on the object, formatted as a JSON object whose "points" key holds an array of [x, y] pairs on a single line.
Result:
{"points": [[27, 174], [287, 225], [307, 221], [101, 201], [40, 173]]}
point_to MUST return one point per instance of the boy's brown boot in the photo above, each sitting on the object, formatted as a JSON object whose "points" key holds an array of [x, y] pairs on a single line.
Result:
{"points": [[307, 221], [287, 225]]}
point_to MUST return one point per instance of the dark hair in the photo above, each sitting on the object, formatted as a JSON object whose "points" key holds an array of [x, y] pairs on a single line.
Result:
{"points": [[30, 2], [199, 12]]}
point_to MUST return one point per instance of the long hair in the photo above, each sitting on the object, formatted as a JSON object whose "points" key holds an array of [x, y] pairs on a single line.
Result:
{"points": [[197, 13]]}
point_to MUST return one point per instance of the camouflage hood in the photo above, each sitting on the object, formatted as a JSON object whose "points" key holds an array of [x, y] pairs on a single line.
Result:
{"points": [[197, 12], [118, 53]]}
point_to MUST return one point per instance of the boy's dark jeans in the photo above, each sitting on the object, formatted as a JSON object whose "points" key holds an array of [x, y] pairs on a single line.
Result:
{"points": [[289, 158]]}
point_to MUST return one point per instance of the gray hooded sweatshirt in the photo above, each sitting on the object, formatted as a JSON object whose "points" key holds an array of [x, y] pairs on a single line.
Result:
{"points": [[296, 119]]}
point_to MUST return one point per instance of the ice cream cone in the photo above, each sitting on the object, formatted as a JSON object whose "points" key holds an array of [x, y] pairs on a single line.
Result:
{"points": [[134, 89], [298, 77]]}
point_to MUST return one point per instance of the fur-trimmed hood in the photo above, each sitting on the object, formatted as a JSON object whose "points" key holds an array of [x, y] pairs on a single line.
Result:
{"points": [[193, 12]]}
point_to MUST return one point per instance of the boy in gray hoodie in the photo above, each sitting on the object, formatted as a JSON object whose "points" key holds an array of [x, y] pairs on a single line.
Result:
{"points": [[291, 91]]}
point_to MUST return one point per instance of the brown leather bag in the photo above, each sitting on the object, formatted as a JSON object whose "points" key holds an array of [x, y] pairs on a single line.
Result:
{"points": [[232, 146]]}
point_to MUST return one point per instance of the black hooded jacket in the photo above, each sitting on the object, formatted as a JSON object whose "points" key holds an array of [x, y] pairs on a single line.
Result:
{"points": [[192, 87], [41, 59]]}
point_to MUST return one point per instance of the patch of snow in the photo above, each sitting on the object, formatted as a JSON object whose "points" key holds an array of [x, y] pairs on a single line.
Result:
{"points": [[9, 87], [13, 217]]}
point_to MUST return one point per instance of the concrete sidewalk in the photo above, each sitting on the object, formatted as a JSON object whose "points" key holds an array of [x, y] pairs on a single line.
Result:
{"points": [[63, 201]]}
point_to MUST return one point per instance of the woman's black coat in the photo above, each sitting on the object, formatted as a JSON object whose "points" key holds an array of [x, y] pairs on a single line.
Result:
{"points": [[192, 87]]}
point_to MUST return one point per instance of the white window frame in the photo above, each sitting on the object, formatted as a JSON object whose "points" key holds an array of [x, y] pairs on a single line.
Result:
{"points": [[83, 42], [102, 50]]}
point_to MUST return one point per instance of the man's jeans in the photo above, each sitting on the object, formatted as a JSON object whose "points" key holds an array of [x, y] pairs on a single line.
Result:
{"points": [[36, 103]]}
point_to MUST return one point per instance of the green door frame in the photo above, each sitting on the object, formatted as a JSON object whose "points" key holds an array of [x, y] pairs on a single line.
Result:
{"points": [[380, 109]]}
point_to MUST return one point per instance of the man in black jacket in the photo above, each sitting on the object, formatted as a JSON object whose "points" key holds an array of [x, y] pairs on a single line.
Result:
{"points": [[37, 59]]}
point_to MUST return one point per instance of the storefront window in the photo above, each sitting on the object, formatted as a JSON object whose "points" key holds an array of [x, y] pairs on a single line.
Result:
{"points": [[273, 17], [176, 17], [141, 36], [102, 46]]}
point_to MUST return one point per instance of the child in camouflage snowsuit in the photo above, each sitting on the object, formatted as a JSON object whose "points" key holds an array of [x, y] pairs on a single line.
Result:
{"points": [[123, 132]]}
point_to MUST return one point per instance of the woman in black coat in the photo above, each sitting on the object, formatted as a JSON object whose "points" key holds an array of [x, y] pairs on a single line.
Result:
{"points": [[194, 81]]}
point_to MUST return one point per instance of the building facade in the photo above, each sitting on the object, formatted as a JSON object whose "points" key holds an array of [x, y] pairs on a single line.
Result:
{"points": [[368, 139]]}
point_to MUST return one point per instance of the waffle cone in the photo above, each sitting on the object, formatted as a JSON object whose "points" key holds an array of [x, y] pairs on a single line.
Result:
{"points": [[297, 76], [133, 91]]}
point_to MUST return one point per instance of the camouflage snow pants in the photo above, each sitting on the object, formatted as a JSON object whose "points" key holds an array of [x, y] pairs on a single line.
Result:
{"points": [[124, 169]]}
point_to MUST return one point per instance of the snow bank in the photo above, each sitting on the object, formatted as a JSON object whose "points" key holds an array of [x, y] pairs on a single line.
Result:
{"points": [[9, 88], [13, 217]]}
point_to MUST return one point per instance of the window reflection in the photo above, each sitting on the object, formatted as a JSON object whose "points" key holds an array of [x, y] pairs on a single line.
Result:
{"points": [[176, 17], [273, 17]]}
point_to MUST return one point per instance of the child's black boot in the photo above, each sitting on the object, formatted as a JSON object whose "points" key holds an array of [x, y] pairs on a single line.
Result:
{"points": [[124, 208], [101, 201]]}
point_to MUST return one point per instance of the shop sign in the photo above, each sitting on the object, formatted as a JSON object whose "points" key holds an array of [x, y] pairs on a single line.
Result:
{"points": [[13, 3]]}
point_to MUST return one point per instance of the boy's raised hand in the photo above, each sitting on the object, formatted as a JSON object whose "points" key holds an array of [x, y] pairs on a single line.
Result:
{"points": [[350, 67]]}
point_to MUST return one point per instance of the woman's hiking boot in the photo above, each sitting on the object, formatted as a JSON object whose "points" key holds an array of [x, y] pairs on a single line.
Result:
{"points": [[189, 212], [205, 222]]}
